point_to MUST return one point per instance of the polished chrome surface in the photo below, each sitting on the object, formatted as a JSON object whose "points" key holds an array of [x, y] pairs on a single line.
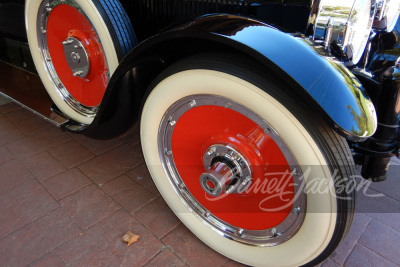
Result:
{"points": [[227, 169], [387, 14], [267, 237], [77, 57], [43, 15], [351, 25]]}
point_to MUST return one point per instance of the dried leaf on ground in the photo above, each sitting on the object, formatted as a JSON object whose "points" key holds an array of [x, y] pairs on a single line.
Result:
{"points": [[130, 238]]}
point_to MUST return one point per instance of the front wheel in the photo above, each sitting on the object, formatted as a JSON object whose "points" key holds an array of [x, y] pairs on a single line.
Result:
{"points": [[254, 176], [76, 46]]}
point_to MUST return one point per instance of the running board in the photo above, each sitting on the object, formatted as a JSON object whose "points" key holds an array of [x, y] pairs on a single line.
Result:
{"points": [[27, 90]]}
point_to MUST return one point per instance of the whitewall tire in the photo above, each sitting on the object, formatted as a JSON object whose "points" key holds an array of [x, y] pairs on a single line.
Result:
{"points": [[76, 46], [188, 116]]}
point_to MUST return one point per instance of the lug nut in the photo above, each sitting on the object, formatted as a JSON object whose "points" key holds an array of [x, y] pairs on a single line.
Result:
{"points": [[67, 42], [77, 73]]}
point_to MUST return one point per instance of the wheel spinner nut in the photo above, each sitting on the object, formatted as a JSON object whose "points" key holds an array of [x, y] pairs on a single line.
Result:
{"points": [[75, 57]]}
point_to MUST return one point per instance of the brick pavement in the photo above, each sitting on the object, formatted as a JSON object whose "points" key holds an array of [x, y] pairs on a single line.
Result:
{"points": [[67, 200]]}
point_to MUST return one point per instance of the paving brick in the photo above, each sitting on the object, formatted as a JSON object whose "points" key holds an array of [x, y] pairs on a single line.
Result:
{"points": [[71, 153], [36, 239], [19, 114], [381, 239], [111, 164], [395, 161], [32, 125], [360, 223], [155, 212], [390, 219], [101, 245], [166, 258], [393, 181], [141, 175], [66, 183], [9, 133], [329, 263], [371, 201], [4, 122], [131, 139], [88, 206], [365, 257], [48, 260], [43, 166], [5, 155], [9, 107], [13, 173], [95, 146], [190, 249], [231, 263], [23, 204], [132, 196], [38, 142]]}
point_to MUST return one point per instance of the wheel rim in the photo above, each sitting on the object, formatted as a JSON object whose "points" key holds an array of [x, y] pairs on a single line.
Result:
{"points": [[73, 55], [200, 145]]}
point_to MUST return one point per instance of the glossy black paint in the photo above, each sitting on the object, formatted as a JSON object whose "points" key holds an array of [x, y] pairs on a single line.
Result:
{"points": [[384, 87], [291, 14], [325, 85]]}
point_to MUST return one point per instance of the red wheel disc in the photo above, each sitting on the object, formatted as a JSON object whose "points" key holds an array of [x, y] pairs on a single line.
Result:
{"points": [[65, 21], [272, 187]]}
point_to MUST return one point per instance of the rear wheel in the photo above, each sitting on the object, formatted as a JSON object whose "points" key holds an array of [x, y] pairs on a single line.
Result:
{"points": [[76, 46], [248, 172]]}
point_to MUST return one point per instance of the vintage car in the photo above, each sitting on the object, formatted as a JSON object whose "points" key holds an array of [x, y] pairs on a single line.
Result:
{"points": [[252, 112]]}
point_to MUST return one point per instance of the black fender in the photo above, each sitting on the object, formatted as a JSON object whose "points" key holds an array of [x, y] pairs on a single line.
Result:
{"points": [[322, 82]]}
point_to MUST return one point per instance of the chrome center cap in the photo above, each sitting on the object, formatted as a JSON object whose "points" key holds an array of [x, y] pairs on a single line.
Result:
{"points": [[77, 57], [227, 171]]}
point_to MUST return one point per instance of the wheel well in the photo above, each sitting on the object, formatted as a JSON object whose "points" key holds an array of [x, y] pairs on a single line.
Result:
{"points": [[175, 50], [141, 67]]}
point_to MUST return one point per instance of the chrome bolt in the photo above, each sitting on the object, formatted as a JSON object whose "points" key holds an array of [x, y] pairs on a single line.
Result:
{"points": [[267, 131], [192, 103], [274, 232], [228, 104], [172, 123], [207, 214], [67, 42], [77, 46], [297, 210], [75, 58], [43, 31], [181, 186], [246, 180], [48, 9], [77, 73], [240, 231], [48, 59], [295, 172], [229, 189], [211, 151], [168, 152], [60, 85]]}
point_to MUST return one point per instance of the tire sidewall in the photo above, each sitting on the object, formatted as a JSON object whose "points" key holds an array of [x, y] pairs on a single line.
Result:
{"points": [[88, 7], [317, 229]]}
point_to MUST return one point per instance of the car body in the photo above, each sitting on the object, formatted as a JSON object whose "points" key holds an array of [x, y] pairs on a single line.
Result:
{"points": [[315, 78]]}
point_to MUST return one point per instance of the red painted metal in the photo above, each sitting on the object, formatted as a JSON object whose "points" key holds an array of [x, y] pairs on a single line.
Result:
{"points": [[66, 21], [203, 126]]}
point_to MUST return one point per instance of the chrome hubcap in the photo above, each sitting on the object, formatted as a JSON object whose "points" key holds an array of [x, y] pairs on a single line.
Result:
{"points": [[228, 171], [77, 57]]}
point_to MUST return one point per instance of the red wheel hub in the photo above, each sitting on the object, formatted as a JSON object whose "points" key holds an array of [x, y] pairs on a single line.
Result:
{"points": [[204, 126], [66, 21]]}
